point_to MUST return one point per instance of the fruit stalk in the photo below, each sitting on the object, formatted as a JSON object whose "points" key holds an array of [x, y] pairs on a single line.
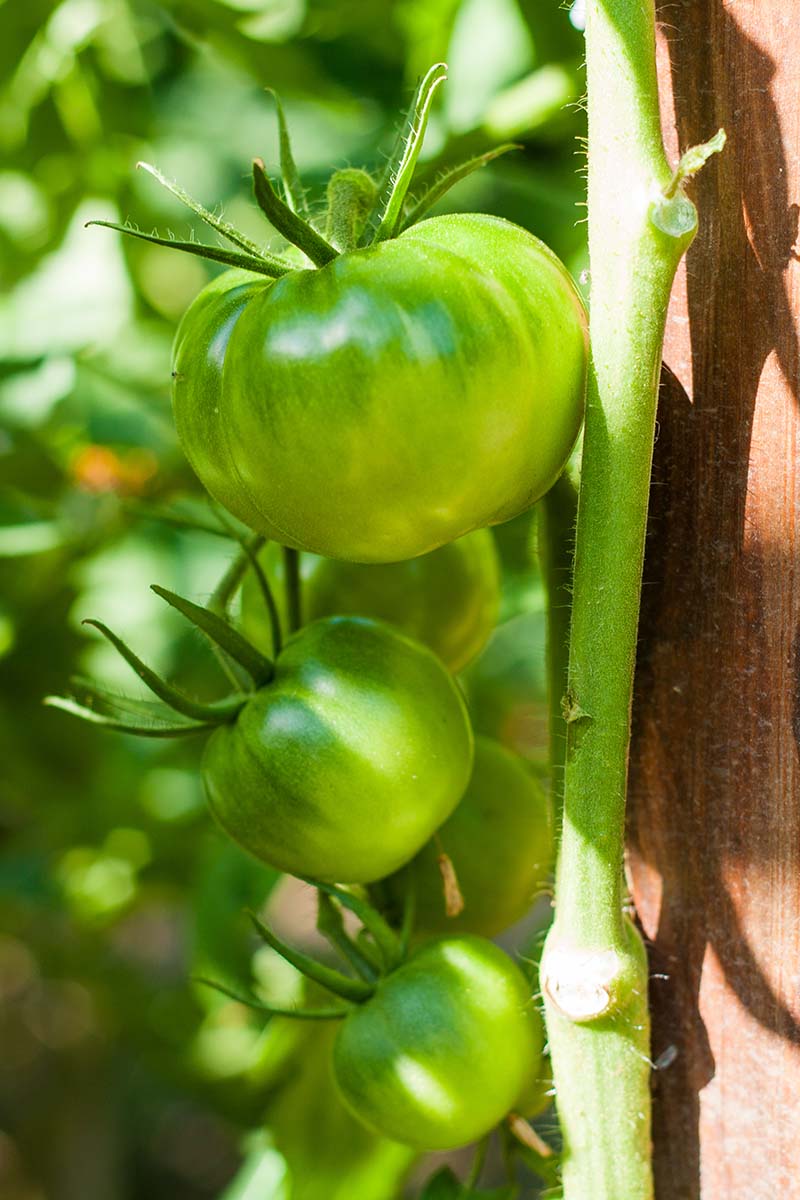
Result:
{"points": [[594, 968]]}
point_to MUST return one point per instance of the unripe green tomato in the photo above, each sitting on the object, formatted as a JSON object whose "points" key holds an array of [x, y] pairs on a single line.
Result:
{"points": [[344, 764], [506, 687], [390, 402], [444, 1049], [448, 600], [500, 842]]}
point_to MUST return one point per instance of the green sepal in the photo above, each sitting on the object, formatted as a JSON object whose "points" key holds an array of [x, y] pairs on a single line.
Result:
{"points": [[384, 936], [293, 188], [403, 160], [217, 629], [229, 258], [142, 718], [223, 228], [280, 216], [274, 1010], [351, 198], [331, 926], [291, 573], [450, 178], [209, 714], [327, 977]]}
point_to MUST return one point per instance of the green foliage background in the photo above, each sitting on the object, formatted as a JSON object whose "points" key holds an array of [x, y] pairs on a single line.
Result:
{"points": [[120, 1079]]}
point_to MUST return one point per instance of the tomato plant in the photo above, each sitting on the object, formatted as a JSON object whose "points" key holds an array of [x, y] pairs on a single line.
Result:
{"points": [[499, 840], [447, 600], [427, 379], [376, 398], [436, 1047], [354, 748]]}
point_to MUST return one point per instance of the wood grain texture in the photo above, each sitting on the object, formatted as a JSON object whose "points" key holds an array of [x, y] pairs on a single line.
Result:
{"points": [[715, 779]]}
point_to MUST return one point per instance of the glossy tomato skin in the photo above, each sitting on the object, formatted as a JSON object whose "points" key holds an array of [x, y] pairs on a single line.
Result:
{"points": [[198, 358], [448, 600], [501, 843], [345, 763], [398, 398], [444, 1049], [506, 687]]}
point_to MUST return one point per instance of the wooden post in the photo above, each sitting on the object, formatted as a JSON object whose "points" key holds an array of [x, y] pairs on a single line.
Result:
{"points": [[715, 781]]}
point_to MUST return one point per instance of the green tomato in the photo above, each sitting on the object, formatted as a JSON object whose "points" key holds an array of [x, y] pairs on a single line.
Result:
{"points": [[392, 401], [445, 1047], [500, 842], [448, 600], [506, 687], [343, 765]]}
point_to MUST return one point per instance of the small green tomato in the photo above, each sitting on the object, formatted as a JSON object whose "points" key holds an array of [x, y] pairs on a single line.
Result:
{"points": [[344, 764], [445, 1047]]}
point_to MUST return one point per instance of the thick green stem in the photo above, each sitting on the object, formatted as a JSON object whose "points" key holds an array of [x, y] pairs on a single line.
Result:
{"points": [[556, 537], [594, 970]]}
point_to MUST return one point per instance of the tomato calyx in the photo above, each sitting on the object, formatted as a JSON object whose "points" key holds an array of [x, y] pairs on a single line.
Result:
{"points": [[158, 719], [361, 210], [374, 954]]}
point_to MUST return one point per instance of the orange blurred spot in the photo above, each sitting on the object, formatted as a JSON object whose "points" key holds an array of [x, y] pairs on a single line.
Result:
{"points": [[101, 469]]}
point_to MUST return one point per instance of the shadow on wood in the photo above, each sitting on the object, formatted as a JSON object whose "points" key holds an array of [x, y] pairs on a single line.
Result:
{"points": [[715, 784]]}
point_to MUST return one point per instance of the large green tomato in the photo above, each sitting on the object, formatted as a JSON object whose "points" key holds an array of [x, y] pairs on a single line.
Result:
{"points": [[448, 600], [444, 1049], [389, 402], [343, 765], [500, 842]]}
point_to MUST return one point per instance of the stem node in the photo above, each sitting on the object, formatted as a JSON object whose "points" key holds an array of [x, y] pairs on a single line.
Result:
{"points": [[588, 985]]}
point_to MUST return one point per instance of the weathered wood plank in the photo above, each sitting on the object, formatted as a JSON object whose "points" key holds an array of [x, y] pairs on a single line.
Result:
{"points": [[715, 778]]}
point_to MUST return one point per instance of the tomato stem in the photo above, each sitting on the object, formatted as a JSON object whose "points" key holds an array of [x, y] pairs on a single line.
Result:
{"points": [[331, 926], [409, 912], [382, 933], [266, 595], [351, 194], [226, 588], [594, 968], [291, 570]]}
